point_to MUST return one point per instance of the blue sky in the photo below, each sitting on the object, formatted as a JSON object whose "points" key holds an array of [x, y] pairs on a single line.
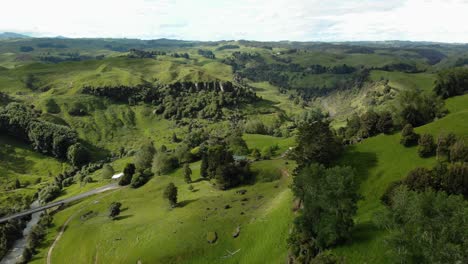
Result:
{"points": [[299, 20]]}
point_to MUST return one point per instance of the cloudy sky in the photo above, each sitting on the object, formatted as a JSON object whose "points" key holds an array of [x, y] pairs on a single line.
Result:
{"points": [[301, 20]]}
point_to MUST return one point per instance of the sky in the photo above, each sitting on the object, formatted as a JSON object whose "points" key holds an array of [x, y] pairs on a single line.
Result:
{"points": [[263, 20]]}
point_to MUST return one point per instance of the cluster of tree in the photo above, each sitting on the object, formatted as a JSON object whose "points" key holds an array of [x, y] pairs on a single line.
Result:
{"points": [[426, 227], [225, 47], [218, 164], [141, 54], [366, 125], [257, 126], [417, 108], [9, 233], [21, 122], [451, 82], [400, 67], [71, 56], [26, 48], [180, 55], [328, 195], [461, 62], [431, 55], [207, 54], [179, 100], [51, 45], [447, 177], [360, 50]]}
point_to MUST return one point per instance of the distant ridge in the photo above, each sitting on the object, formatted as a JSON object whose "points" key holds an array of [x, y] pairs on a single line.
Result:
{"points": [[12, 35]]}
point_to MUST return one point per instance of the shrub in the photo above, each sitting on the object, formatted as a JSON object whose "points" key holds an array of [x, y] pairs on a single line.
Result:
{"points": [[170, 193], [77, 154], [459, 151], [107, 171], [114, 210], [128, 172], [426, 146], [408, 137]]}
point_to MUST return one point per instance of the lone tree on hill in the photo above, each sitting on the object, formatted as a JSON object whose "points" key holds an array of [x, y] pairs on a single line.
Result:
{"points": [[170, 193], [128, 172], [114, 210], [187, 173]]}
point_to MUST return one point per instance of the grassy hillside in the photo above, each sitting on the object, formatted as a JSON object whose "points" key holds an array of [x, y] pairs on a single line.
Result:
{"points": [[381, 160], [149, 231]]}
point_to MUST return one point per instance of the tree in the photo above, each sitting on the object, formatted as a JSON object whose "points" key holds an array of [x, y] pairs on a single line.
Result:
{"points": [[17, 184], [455, 180], [29, 80], [385, 122], [77, 154], [416, 233], [426, 146], [114, 210], [128, 172], [107, 171], [408, 137], [329, 199], [204, 166], [170, 193], [267, 153], [459, 151], [315, 142], [444, 142], [369, 123], [187, 173], [451, 82], [417, 108], [27, 255], [164, 163], [144, 157]]}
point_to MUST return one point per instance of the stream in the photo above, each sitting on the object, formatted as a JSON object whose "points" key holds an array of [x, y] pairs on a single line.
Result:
{"points": [[14, 254]]}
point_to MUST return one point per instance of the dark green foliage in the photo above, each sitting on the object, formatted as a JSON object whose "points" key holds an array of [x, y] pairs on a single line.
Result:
{"points": [[78, 155], [452, 82], [17, 184], [114, 210], [218, 164], [455, 181], [225, 47], [26, 48], [9, 233], [385, 122], [164, 163], [316, 142], [182, 99], [459, 151], [236, 144], [50, 192], [141, 54], [51, 106], [206, 53], [170, 193], [20, 122], [418, 108], [140, 178], [144, 157], [27, 255], [187, 173], [408, 136], [107, 171], [128, 173], [329, 198], [427, 227], [30, 81], [426, 145], [451, 178], [369, 123], [444, 142], [401, 67]]}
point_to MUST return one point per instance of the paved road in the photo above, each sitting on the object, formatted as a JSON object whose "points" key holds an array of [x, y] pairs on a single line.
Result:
{"points": [[64, 201]]}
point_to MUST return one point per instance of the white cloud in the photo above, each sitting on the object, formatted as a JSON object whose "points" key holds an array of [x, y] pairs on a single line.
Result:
{"points": [[332, 20]]}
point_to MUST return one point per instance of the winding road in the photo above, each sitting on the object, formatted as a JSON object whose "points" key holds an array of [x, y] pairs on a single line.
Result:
{"points": [[108, 187]]}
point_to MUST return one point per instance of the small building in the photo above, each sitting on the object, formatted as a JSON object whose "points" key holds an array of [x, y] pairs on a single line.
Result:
{"points": [[117, 176]]}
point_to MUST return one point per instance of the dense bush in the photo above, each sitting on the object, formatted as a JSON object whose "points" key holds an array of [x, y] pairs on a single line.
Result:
{"points": [[21, 122], [426, 227], [452, 82], [418, 108], [128, 173], [408, 136], [426, 145]]}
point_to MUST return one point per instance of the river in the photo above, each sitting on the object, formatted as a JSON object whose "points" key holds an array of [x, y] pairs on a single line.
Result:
{"points": [[14, 255]]}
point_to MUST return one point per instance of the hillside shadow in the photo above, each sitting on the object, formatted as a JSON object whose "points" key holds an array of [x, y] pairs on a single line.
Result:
{"points": [[363, 232], [186, 202], [362, 162], [97, 153], [122, 217], [12, 161]]}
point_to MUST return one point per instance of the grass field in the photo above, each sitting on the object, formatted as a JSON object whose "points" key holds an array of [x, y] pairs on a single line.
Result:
{"points": [[381, 160], [149, 231], [20, 162]]}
